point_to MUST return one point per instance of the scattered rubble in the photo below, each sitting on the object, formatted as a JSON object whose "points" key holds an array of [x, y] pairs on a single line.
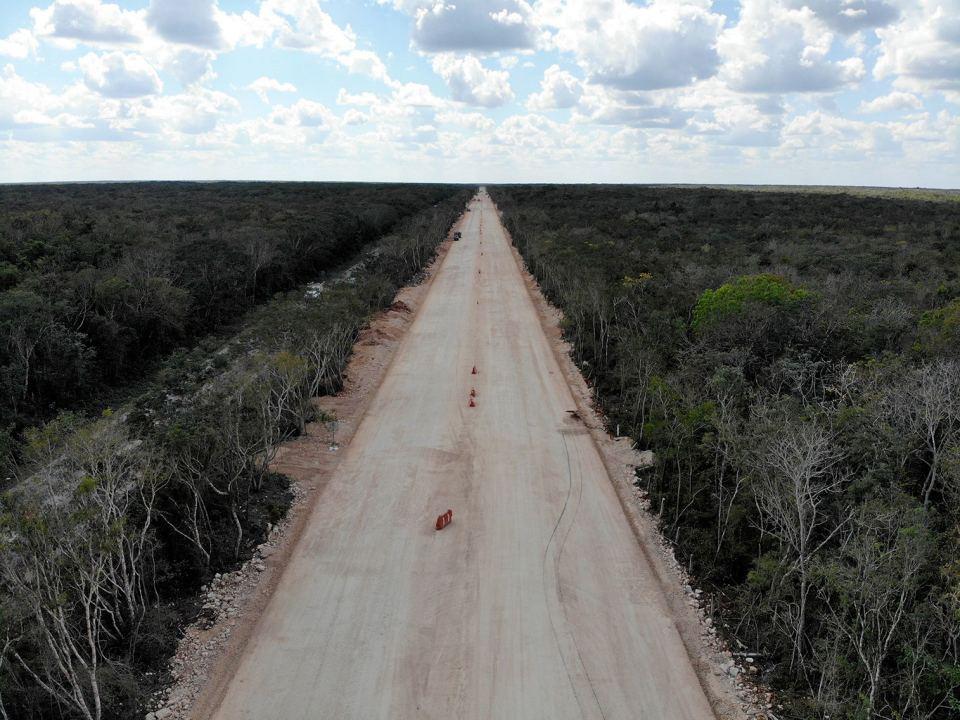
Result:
{"points": [[626, 464], [229, 602], [757, 701], [224, 601]]}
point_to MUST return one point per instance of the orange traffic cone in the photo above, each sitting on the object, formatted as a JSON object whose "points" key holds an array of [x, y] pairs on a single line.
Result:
{"points": [[472, 403], [474, 371]]}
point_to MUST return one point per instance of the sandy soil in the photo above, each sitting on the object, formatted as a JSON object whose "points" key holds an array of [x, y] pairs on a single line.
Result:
{"points": [[536, 602]]}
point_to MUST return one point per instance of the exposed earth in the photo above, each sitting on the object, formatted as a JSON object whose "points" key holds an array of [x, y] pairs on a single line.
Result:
{"points": [[539, 600]]}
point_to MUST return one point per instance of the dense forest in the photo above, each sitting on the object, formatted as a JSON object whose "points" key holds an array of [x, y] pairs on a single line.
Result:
{"points": [[793, 360], [98, 282], [113, 521]]}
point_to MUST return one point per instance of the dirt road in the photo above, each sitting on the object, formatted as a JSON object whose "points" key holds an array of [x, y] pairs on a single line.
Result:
{"points": [[536, 602]]}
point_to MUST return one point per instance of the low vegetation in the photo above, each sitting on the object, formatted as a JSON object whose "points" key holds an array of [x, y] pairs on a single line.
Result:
{"points": [[114, 523], [793, 360]]}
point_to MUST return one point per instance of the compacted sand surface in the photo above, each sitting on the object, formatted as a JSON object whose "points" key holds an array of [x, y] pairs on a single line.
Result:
{"points": [[536, 602]]}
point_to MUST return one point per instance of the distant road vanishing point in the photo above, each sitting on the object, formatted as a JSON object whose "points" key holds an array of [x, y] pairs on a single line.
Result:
{"points": [[534, 602]]}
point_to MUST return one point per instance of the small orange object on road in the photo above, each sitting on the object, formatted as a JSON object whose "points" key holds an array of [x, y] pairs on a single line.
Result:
{"points": [[474, 371], [472, 403], [444, 520]]}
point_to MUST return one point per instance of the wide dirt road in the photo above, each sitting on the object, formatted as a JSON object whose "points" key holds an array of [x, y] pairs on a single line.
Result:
{"points": [[536, 602]]}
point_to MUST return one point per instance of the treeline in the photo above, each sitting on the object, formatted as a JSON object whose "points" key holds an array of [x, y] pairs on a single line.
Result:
{"points": [[98, 282], [793, 360], [115, 523]]}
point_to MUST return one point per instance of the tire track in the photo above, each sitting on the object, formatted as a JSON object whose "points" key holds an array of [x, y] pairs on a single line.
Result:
{"points": [[581, 670]]}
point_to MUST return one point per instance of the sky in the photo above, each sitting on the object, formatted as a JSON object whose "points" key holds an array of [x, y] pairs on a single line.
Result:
{"points": [[822, 92]]}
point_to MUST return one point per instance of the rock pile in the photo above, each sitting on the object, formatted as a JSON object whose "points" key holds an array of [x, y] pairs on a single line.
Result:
{"points": [[740, 667], [224, 603]]}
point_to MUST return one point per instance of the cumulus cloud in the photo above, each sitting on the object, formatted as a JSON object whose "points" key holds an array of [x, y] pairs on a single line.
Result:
{"points": [[732, 119], [531, 132], [196, 112], [191, 22], [21, 101], [303, 25], [893, 101], [363, 99], [776, 49], [365, 62], [119, 75], [648, 83], [558, 89], [470, 82], [472, 120], [416, 95], [922, 50], [604, 106], [88, 21], [19, 44], [469, 25], [833, 137], [191, 66], [355, 117], [665, 44], [304, 113], [850, 16], [263, 85]]}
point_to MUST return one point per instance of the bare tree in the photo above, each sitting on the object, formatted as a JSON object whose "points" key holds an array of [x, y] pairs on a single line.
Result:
{"points": [[726, 441], [326, 354], [75, 556], [870, 587], [795, 485], [926, 406]]}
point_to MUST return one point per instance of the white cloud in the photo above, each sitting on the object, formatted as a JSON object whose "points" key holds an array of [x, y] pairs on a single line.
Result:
{"points": [[471, 120], [88, 21], [894, 101], [19, 44], [365, 62], [728, 118], [470, 82], [656, 89], [530, 132], [558, 89], [303, 25], [416, 95], [469, 25], [507, 18], [922, 50], [197, 112], [831, 137], [364, 99], [119, 75], [191, 66], [667, 43], [355, 117], [304, 113], [262, 85], [191, 22], [23, 102], [776, 49], [850, 16], [605, 106]]}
